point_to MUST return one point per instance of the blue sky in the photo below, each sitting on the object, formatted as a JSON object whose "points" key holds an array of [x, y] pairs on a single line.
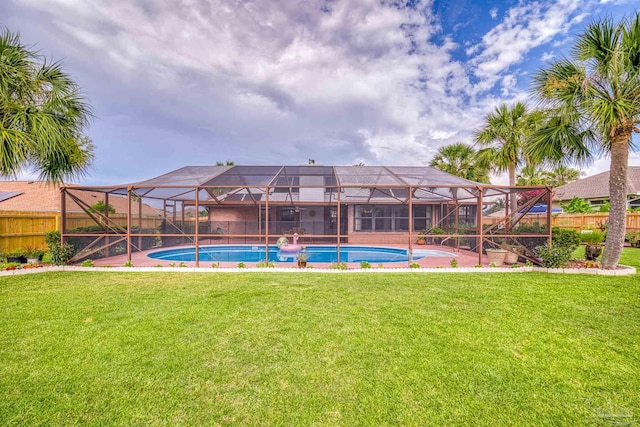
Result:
{"points": [[192, 82]]}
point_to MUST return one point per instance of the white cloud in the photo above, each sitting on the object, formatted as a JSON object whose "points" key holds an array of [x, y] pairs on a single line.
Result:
{"points": [[525, 26], [274, 71], [547, 56], [279, 82], [494, 13]]}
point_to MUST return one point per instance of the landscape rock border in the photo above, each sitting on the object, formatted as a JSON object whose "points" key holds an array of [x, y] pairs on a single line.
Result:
{"points": [[622, 270]]}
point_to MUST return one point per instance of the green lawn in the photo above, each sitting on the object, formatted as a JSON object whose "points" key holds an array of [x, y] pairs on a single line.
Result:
{"points": [[314, 349]]}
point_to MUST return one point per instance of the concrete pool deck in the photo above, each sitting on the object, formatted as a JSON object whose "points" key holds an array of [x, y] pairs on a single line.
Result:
{"points": [[464, 258]]}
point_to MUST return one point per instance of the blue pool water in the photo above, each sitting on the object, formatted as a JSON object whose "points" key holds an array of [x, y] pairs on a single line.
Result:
{"points": [[256, 253]]}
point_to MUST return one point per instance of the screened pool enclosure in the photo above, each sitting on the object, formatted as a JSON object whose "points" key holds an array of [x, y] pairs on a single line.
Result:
{"points": [[339, 205]]}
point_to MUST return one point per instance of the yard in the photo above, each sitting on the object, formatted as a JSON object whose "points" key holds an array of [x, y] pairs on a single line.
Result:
{"points": [[316, 349]]}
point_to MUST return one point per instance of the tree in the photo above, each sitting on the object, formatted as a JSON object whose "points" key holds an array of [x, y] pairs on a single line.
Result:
{"points": [[100, 207], [593, 100], [577, 205], [226, 163], [503, 139], [532, 175], [42, 115], [461, 160], [562, 175]]}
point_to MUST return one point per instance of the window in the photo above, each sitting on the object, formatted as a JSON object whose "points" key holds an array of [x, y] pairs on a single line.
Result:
{"points": [[422, 217], [389, 217], [467, 214], [288, 214]]}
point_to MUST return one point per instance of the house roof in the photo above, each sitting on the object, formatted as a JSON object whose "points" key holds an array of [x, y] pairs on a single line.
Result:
{"points": [[38, 196], [597, 186]]}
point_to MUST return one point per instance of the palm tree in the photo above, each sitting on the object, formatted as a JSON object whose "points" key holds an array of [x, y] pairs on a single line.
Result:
{"points": [[503, 139], [42, 115], [535, 175], [562, 175], [531, 175], [594, 102], [460, 159]]}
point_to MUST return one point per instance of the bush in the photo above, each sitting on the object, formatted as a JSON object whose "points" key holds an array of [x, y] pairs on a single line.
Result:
{"points": [[566, 238], [554, 256], [339, 266], [60, 254], [100, 207], [577, 205]]}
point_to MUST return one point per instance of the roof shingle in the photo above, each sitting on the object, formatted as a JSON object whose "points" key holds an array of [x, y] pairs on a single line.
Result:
{"points": [[597, 186]]}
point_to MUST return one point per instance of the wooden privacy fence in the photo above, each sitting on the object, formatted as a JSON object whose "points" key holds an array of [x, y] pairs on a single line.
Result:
{"points": [[26, 229], [576, 222]]}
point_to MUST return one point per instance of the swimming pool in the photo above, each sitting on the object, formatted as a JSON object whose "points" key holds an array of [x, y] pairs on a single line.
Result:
{"points": [[316, 253]]}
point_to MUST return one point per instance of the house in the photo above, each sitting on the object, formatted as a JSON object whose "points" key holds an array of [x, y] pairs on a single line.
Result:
{"points": [[39, 196], [29, 209], [595, 189]]}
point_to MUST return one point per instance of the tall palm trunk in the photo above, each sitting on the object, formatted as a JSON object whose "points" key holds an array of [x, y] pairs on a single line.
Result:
{"points": [[513, 197], [618, 201]]}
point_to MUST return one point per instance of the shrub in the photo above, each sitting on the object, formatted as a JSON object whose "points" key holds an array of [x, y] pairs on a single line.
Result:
{"points": [[100, 207], [365, 264], [87, 263], [60, 254], [241, 265], [414, 265], [264, 264], [554, 256], [577, 205], [339, 266], [564, 237], [128, 264], [454, 263], [17, 253]]}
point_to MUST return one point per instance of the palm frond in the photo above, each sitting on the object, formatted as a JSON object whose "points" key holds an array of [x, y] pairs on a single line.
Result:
{"points": [[42, 115]]}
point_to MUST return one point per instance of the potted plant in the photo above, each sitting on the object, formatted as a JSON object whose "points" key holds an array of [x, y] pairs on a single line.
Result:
{"points": [[302, 259], [421, 238], [17, 255], [593, 247], [34, 255], [496, 256], [436, 231], [512, 255]]}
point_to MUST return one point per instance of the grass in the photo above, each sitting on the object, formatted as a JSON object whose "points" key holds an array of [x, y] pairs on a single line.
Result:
{"points": [[313, 349]]}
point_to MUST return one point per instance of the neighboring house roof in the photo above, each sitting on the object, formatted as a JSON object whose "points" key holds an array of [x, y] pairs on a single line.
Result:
{"points": [[38, 196], [597, 186]]}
